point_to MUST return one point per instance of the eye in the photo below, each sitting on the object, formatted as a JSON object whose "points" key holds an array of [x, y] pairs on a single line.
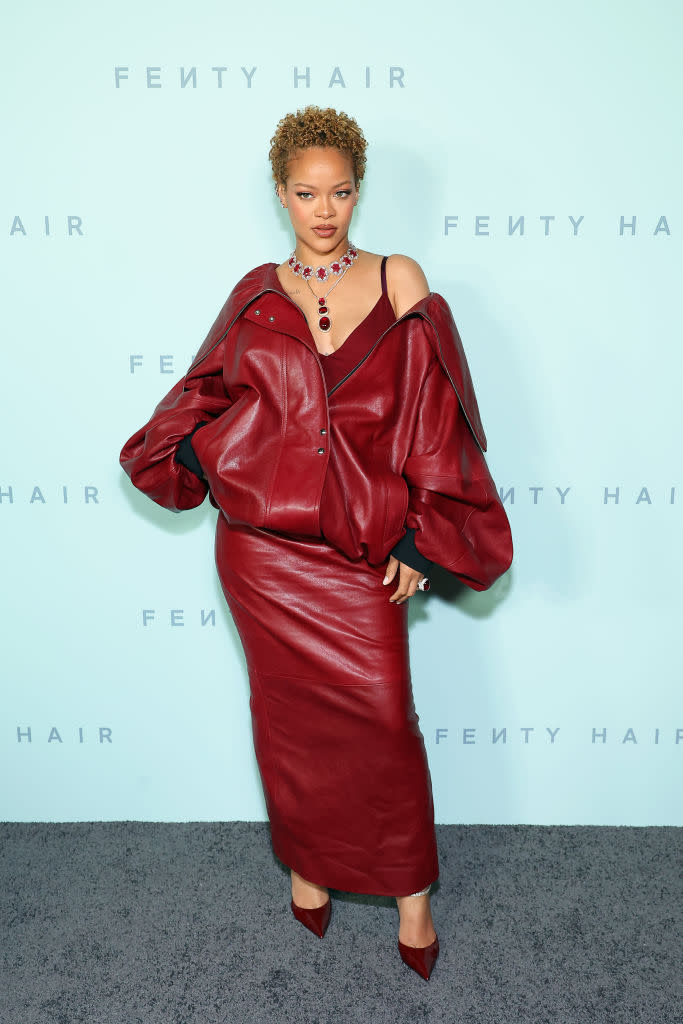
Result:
{"points": [[342, 192]]}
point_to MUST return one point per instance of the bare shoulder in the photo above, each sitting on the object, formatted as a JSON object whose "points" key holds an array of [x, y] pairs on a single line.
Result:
{"points": [[406, 282]]}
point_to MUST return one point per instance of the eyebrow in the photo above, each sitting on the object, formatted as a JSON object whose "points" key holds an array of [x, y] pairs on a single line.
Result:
{"points": [[305, 185]]}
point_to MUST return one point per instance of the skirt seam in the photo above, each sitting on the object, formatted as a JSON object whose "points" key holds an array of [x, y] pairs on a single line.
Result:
{"points": [[314, 679], [266, 716]]}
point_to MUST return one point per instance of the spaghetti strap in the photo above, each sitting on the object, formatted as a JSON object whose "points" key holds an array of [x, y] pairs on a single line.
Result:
{"points": [[342, 362]]}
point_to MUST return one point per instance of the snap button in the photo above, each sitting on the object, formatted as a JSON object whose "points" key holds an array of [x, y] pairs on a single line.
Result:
{"points": [[321, 451], [322, 430], [257, 312], [271, 318]]}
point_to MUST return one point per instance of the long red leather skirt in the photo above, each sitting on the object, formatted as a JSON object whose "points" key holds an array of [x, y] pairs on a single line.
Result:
{"points": [[340, 752]]}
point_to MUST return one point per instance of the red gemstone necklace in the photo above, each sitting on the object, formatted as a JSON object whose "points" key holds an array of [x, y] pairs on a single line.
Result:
{"points": [[336, 269]]}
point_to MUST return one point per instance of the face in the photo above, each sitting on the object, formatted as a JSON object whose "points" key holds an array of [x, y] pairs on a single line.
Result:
{"points": [[320, 191]]}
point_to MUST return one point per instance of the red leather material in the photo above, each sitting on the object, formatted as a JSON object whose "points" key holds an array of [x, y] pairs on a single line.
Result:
{"points": [[336, 734], [420, 958], [314, 490], [316, 919], [401, 435]]}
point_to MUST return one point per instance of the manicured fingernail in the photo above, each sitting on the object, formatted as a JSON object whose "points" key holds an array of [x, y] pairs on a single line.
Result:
{"points": [[385, 580]]}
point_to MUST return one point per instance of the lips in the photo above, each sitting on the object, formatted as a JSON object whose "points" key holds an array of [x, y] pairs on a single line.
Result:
{"points": [[324, 231]]}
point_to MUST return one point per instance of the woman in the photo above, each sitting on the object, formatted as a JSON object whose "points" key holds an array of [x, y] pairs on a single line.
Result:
{"points": [[331, 418]]}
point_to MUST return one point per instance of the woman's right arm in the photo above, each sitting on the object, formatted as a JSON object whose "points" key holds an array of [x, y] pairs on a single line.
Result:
{"points": [[187, 456], [152, 456]]}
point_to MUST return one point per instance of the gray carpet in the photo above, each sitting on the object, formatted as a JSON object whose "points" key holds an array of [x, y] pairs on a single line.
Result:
{"points": [[139, 923]]}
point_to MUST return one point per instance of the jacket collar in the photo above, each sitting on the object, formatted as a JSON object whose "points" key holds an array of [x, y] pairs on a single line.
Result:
{"points": [[431, 313], [263, 280]]}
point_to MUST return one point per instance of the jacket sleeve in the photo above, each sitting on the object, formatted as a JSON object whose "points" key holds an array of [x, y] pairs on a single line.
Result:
{"points": [[453, 503], [149, 456]]}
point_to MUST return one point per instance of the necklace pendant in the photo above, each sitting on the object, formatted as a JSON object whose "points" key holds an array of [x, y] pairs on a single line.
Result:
{"points": [[324, 321], [338, 268]]}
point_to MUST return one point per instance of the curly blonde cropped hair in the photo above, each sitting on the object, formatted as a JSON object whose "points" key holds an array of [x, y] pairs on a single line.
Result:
{"points": [[316, 126]]}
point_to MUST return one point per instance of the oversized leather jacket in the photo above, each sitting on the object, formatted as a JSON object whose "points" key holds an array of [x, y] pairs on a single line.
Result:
{"points": [[396, 445]]}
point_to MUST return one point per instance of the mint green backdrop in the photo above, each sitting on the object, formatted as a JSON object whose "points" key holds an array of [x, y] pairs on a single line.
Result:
{"points": [[528, 156]]}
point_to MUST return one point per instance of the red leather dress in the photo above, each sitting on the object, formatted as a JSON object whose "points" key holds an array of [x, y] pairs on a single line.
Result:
{"points": [[339, 748]]}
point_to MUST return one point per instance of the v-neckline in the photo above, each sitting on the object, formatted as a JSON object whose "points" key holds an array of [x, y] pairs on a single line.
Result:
{"points": [[348, 336], [326, 355]]}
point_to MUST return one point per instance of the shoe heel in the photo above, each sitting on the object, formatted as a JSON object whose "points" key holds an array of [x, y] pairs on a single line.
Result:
{"points": [[316, 919], [420, 958]]}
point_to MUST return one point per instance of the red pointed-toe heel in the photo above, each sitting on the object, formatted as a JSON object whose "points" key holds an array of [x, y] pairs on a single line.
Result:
{"points": [[316, 919], [420, 958]]}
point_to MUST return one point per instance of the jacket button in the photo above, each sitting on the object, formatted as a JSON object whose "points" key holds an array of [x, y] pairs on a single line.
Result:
{"points": [[257, 312], [321, 451], [322, 430], [271, 318]]}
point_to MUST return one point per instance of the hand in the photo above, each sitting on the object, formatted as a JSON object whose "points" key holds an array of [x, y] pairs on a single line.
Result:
{"points": [[408, 579]]}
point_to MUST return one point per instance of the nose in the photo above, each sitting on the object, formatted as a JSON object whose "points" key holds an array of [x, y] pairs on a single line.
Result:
{"points": [[324, 209]]}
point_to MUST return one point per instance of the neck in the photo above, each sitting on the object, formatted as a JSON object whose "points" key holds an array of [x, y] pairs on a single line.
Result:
{"points": [[314, 258]]}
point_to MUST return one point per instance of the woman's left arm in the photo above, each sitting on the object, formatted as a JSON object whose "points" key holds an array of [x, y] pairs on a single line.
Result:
{"points": [[454, 505]]}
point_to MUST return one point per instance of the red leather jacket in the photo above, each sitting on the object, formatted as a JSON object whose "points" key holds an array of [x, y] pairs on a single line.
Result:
{"points": [[397, 445]]}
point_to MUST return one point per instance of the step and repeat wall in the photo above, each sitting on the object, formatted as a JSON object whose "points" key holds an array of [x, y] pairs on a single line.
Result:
{"points": [[524, 156]]}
